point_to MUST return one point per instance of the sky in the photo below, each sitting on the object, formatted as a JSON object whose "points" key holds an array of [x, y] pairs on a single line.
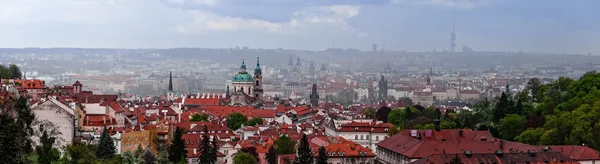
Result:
{"points": [[553, 26]]}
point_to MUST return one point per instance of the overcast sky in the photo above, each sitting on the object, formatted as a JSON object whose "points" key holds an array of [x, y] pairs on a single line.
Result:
{"points": [[414, 25]]}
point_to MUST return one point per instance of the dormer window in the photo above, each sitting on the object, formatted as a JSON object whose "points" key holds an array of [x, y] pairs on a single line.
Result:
{"points": [[341, 154], [355, 128], [363, 153], [331, 154], [385, 130]]}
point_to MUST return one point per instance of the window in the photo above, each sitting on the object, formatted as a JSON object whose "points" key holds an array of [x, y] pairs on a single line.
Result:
{"points": [[355, 137], [367, 137], [361, 137], [376, 138]]}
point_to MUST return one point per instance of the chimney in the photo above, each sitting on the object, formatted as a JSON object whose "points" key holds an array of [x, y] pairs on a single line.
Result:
{"points": [[194, 151], [419, 135], [87, 120], [501, 144], [460, 132]]}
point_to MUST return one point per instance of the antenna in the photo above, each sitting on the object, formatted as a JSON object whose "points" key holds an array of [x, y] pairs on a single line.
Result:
{"points": [[453, 35]]}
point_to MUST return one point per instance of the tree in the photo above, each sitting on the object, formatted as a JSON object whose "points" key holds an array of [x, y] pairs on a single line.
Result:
{"points": [[511, 126], [128, 158], [148, 157], [383, 113], [322, 158], [208, 151], [530, 136], [397, 117], [138, 152], [501, 108], [81, 153], [271, 155], [369, 113], [15, 72], [393, 130], [15, 137], [106, 147], [251, 151], [45, 152], [285, 145], [533, 86], [407, 101], [163, 157], [305, 154], [199, 118], [235, 120], [177, 147], [243, 158], [255, 121]]}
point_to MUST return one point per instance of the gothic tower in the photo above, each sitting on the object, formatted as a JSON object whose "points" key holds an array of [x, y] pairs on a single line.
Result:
{"points": [[170, 91], [258, 90], [383, 88], [314, 96]]}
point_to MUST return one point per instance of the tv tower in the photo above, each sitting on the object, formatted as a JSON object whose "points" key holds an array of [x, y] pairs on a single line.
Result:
{"points": [[453, 36]]}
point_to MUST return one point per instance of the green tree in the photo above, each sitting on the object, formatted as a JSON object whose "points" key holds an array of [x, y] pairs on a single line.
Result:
{"points": [[177, 147], [15, 137], [235, 120], [207, 150], [369, 113], [4, 72], [81, 153], [448, 124], [511, 126], [149, 157], [128, 158], [285, 145], [271, 156], [322, 158], [199, 118], [255, 121], [393, 130], [501, 108], [106, 147], [46, 155], [163, 157], [397, 117], [530, 136], [243, 158], [305, 154], [138, 152], [182, 161], [533, 86]]}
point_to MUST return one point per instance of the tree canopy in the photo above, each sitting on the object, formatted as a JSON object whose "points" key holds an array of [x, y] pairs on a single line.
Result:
{"points": [[243, 158], [235, 120], [285, 145], [199, 118], [305, 154], [106, 147], [254, 121], [177, 147]]}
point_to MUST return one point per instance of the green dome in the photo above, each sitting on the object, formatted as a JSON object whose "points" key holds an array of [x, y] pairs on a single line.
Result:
{"points": [[243, 77]]}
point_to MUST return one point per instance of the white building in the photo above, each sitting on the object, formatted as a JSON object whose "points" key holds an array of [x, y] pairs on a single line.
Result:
{"points": [[54, 113]]}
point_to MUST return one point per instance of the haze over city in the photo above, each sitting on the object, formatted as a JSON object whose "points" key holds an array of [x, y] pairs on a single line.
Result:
{"points": [[549, 26]]}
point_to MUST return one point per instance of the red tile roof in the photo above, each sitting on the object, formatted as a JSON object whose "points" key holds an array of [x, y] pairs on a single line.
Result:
{"points": [[339, 145], [576, 152], [504, 158]]}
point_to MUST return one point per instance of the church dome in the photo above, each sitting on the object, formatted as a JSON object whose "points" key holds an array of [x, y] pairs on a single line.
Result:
{"points": [[243, 77]]}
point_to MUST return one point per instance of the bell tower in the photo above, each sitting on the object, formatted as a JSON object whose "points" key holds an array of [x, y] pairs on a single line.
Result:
{"points": [[258, 91]]}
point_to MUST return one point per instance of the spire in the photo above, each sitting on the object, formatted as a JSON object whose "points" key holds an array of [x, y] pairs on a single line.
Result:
{"points": [[24, 75], [323, 67], [170, 81], [298, 61], [291, 61], [243, 67], [314, 96], [257, 70]]}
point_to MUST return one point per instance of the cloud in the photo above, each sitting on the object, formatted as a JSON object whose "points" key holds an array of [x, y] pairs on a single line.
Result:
{"points": [[448, 4], [329, 18]]}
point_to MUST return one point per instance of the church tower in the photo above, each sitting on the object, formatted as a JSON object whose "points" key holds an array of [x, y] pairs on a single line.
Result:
{"points": [[258, 91], [311, 69], [170, 92], [314, 96], [383, 88]]}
